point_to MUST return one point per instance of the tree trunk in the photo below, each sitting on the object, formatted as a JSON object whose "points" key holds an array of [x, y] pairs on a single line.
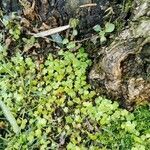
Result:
{"points": [[123, 69]]}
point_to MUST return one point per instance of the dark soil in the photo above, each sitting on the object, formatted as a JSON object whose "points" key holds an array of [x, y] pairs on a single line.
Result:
{"points": [[58, 12]]}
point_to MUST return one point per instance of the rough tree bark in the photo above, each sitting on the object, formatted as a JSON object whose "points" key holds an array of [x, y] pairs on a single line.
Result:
{"points": [[123, 69]]}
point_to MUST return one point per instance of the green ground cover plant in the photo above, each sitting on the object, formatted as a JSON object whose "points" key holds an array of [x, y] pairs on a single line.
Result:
{"points": [[55, 108], [49, 105]]}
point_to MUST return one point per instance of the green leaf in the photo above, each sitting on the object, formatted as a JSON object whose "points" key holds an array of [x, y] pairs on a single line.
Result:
{"points": [[69, 119], [73, 22], [65, 41], [103, 39], [109, 27], [97, 28], [71, 45], [9, 117], [75, 32]]}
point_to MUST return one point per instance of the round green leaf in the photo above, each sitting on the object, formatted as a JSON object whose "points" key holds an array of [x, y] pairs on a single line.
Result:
{"points": [[65, 41], [109, 27]]}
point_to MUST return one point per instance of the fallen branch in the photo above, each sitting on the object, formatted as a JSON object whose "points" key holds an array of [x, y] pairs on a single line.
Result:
{"points": [[50, 31]]}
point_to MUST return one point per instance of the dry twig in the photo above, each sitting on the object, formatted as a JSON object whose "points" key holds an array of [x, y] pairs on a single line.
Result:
{"points": [[50, 31], [88, 5]]}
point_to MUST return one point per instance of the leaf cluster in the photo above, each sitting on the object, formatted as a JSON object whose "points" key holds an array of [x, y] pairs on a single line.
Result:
{"points": [[11, 25], [109, 27], [55, 107]]}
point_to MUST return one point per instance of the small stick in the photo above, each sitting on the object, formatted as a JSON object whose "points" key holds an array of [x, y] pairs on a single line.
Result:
{"points": [[88, 5], [50, 31]]}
